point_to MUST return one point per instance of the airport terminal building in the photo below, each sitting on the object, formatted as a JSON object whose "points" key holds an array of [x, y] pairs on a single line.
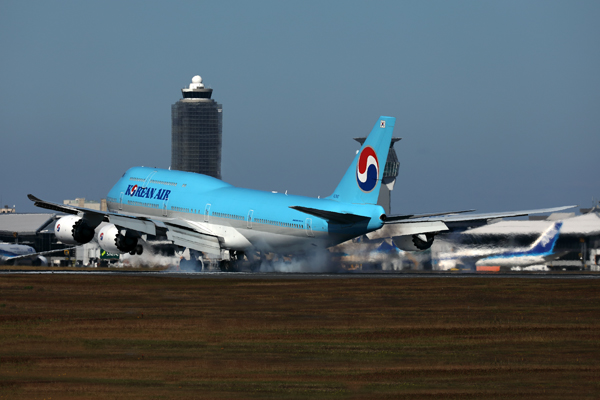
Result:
{"points": [[197, 127]]}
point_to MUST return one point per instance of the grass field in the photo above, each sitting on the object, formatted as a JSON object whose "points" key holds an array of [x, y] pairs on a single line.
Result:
{"points": [[122, 337]]}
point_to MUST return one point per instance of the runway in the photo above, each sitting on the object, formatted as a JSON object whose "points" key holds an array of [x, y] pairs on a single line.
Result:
{"points": [[86, 334], [312, 275]]}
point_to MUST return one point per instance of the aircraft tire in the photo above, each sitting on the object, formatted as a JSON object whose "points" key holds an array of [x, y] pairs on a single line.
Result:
{"points": [[224, 266], [255, 266], [228, 266]]}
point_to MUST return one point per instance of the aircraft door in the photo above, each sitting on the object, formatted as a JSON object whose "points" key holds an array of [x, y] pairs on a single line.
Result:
{"points": [[121, 200], [308, 224], [147, 181], [250, 214], [206, 212], [165, 207]]}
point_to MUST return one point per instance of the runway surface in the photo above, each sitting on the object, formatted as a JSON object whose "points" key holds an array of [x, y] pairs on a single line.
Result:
{"points": [[290, 275]]}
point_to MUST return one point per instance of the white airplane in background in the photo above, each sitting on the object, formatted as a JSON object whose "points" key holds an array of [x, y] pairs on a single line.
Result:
{"points": [[9, 253], [539, 252]]}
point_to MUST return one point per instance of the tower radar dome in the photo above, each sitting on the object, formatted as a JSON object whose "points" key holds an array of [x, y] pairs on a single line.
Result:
{"points": [[196, 83]]}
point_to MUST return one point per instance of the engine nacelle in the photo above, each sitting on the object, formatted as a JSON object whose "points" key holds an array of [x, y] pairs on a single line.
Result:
{"points": [[419, 242], [73, 230], [111, 240]]}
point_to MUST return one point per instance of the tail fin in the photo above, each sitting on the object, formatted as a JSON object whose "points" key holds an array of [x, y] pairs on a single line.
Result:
{"points": [[545, 243], [362, 181]]}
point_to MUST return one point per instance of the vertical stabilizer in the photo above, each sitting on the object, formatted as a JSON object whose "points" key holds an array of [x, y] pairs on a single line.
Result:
{"points": [[362, 180], [545, 243]]}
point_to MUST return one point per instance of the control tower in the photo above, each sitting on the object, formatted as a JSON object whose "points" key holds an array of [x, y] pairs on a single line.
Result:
{"points": [[390, 172], [197, 131]]}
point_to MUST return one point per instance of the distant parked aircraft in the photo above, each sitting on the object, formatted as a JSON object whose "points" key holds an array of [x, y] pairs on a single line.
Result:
{"points": [[539, 252], [9, 253]]}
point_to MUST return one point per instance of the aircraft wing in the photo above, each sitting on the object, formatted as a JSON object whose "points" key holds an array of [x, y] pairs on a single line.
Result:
{"points": [[180, 232], [454, 217], [401, 225], [397, 218], [60, 207]]}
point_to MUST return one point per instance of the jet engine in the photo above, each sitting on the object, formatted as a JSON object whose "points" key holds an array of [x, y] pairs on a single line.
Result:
{"points": [[418, 242], [73, 230], [113, 241]]}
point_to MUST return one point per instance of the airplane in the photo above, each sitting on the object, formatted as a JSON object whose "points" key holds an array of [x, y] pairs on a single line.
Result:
{"points": [[9, 253], [206, 214], [539, 252]]}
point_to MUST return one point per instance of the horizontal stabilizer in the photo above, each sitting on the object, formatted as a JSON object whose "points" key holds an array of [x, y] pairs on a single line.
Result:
{"points": [[339, 218]]}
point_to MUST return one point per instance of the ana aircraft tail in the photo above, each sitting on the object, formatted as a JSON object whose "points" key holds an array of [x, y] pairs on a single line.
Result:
{"points": [[545, 243], [362, 181]]}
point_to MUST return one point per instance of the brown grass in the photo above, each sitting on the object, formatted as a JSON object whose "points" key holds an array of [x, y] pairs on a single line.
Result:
{"points": [[121, 337]]}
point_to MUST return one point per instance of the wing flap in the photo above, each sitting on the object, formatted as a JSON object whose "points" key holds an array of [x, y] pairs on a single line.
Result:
{"points": [[393, 218], [408, 228], [134, 223], [194, 240], [453, 217]]}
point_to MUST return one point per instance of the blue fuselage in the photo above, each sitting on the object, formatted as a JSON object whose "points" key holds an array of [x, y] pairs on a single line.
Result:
{"points": [[243, 218]]}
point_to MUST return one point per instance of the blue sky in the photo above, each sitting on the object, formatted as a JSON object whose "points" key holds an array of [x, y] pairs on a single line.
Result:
{"points": [[498, 103]]}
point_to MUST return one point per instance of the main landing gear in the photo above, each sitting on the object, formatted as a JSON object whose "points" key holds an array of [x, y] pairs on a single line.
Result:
{"points": [[138, 250], [240, 261]]}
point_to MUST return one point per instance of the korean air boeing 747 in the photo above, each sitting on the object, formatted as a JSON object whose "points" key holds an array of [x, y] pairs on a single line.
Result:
{"points": [[206, 214]]}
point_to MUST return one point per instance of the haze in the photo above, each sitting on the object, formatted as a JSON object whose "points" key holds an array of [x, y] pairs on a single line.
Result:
{"points": [[497, 102]]}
